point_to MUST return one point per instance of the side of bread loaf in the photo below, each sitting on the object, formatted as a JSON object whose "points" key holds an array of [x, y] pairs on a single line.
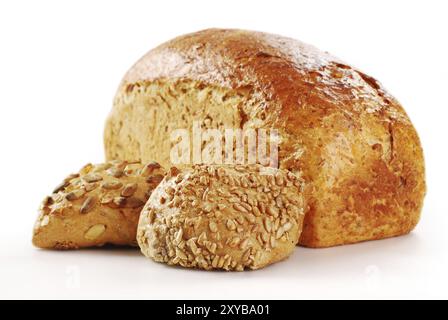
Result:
{"points": [[223, 217], [99, 205], [356, 147]]}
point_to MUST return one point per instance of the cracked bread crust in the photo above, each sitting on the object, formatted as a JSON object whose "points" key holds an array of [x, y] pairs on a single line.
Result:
{"points": [[223, 217], [97, 206], [354, 143]]}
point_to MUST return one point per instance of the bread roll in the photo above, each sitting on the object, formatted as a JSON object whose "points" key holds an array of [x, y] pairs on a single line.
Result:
{"points": [[100, 204], [356, 147], [223, 217]]}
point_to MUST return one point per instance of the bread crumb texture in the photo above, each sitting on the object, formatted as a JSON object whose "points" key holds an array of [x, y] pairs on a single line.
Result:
{"points": [[223, 217], [99, 205], [352, 142]]}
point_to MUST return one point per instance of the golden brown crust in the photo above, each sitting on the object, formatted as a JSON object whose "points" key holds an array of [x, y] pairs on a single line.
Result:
{"points": [[100, 204], [353, 142], [223, 217]]}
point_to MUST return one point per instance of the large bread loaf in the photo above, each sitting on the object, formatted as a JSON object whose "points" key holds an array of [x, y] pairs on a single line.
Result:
{"points": [[350, 140]]}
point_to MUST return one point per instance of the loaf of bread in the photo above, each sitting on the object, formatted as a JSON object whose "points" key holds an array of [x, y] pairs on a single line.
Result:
{"points": [[223, 217], [99, 205], [350, 139]]}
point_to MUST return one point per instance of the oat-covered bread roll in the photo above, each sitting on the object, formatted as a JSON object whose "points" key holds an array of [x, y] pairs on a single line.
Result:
{"points": [[353, 142], [223, 217], [100, 204]]}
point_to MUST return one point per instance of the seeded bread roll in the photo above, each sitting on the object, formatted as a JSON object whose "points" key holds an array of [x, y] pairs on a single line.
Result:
{"points": [[100, 204], [223, 217], [352, 141]]}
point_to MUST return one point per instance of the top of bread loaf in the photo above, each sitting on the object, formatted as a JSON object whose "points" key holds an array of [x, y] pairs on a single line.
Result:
{"points": [[284, 69]]}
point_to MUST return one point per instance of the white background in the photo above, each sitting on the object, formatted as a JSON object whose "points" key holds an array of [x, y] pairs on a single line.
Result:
{"points": [[60, 63]]}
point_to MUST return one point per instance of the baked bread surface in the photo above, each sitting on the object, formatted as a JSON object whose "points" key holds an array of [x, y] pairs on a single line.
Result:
{"points": [[223, 217], [352, 141], [99, 205]]}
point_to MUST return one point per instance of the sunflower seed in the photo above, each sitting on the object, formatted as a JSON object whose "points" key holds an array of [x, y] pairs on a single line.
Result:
{"points": [[287, 226], [179, 178], [252, 178], [271, 179], [211, 246], [107, 199], [213, 227], [45, 220], [248, 207], [273, 211], [192, 245], [279, 233], [221, 261], [90, 186], [181, 255], [262, 207], [244, 244], [240, 219], [267, 224], [273, 242], [292, 210], [129, 190], [151, 216], [230, 224], [279, 202], [111, 185], [234, 241], [245, 257], [94, 232], [244, 182], [251, 218], [86, 169], [256, 211], [57, 197], [87, 205], [227, 262], [178, 236], [279, 180], [61, 186], [102, 167], [48, 201], [234, 200], [74, 195], [155, 179], [203, 180], [202, 238], [265, 237], [207, 207], [221, 172], [239, 207], [239, 168], [92, 177], [215, 261], [115, 172], [149, 168]]}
